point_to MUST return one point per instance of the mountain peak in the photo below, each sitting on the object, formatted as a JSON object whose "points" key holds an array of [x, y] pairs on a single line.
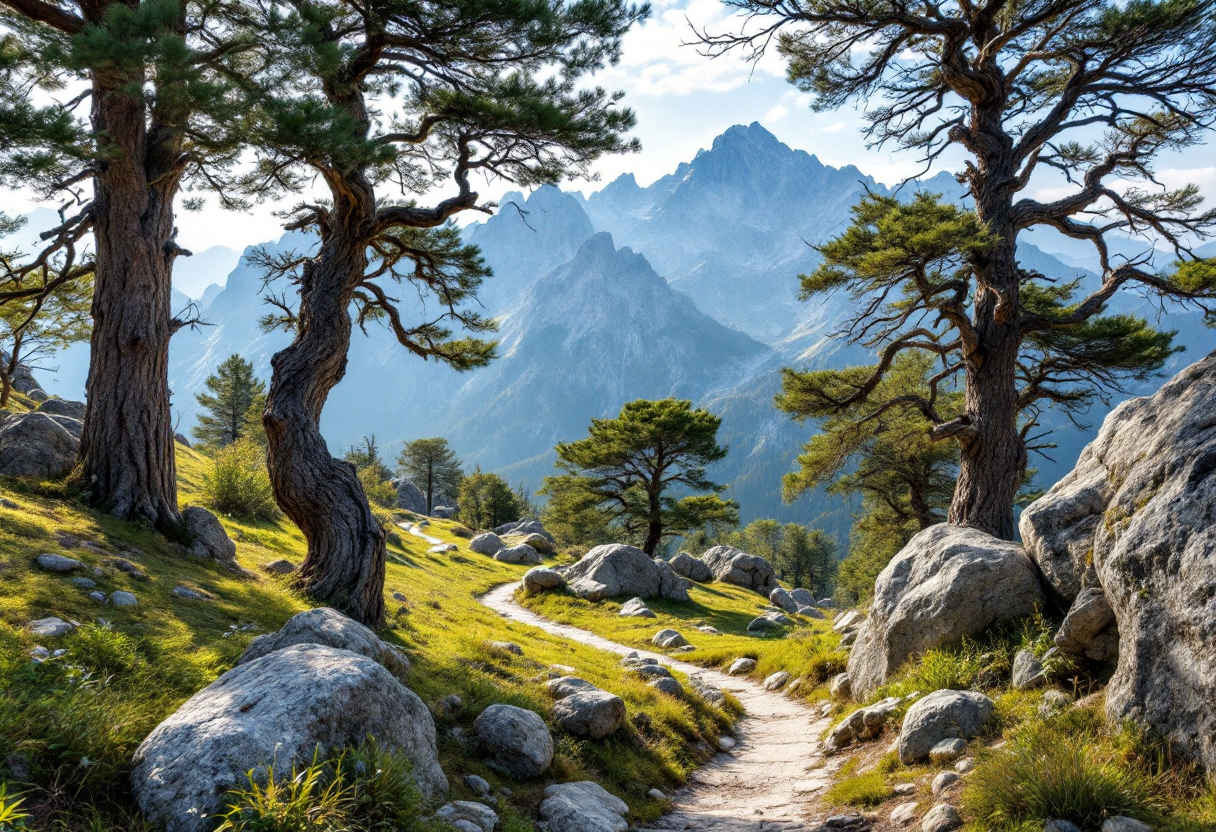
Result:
{"points": [[752, 135]]}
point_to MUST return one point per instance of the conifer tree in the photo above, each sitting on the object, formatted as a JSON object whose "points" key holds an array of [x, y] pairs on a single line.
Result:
{"points": [[1090, 91], [400, 97], [486, 501], [231, 406], [627, 469], [433, 466], [152, 114]]}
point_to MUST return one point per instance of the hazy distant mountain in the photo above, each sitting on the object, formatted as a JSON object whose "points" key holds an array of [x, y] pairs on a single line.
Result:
{"points": [[195, 274]]}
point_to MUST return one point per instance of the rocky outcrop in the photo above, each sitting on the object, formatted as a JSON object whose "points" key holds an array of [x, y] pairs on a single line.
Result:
{"points": [[1089, 632], [949, 582], [208, 538], [582, 807], [330, 628], [686, 566], [35, 446], [270, 713], [62, 407], [409, 497], [942, 715], [516, 741], [732, 566], [1140, 506], [615, 569]]}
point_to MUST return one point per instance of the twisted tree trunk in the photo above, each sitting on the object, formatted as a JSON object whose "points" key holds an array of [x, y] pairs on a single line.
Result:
{"points": [[344, 567], [126, 450]]}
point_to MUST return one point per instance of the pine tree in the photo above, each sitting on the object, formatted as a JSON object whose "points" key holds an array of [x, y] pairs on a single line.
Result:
{"points": [[627, 468], [1083, 94], [228, 408], [154, 112], [401, 97], [486, 501], [433, 466]]}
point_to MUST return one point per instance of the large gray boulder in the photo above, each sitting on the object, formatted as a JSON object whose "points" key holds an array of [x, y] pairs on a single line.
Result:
{"points": [[521, 554], [208, 539], [582, 807], [615, 569], [486, 544], [942, 715], [541, 579], [591, 713], [516, 741], [409, 497], [948, 583], [35, 446], [784, 599], [732, 566], [1140, 505], [271, 713], [694, 569], [331, 628], [62, 407]]}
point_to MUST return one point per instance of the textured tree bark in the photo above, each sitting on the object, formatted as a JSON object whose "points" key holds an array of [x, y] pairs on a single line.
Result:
{"points": [[344, 567], [126, 451]]}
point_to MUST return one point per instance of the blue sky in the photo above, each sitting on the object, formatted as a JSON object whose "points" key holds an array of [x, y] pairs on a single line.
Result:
{"points": [[683, 101]]}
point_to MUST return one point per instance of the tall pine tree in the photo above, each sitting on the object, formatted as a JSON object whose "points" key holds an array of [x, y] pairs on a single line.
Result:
{"points": [[231, 407], [396, 96], [1084, 95], [433, 466]]}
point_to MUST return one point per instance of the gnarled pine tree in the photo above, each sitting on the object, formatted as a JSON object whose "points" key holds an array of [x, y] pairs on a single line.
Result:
{"points": [[404, 96], [1091, 91]]}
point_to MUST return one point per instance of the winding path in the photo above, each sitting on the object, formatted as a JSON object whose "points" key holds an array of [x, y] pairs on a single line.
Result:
{"points": [[767, 783]]}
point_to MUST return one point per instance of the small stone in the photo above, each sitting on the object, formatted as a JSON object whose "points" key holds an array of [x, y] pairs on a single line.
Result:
{"points": [[468, 816], [39, 653], [668, 685], [58, 563], [1028, 671], [668, 639], [904, 813], [964, 765], [99, 597], [18, 766], [49, 627], [947, 751], [1124, 824], [442, 549], [9, 504], [1053, 702], [1060, 825], [944, 781], [726, 743], [279, 567], [941, 818], [122, 598], [655, 794], [842, 687], [83, 583], [708, 630], [478, 785], [449, 705], [777, 681], [507, 647], [904, 788], [191, 594], [124, 565], [400, 596], [636, 608], [651, 671], [740, 666]]}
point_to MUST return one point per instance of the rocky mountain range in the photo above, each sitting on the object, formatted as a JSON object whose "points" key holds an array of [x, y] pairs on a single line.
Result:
{"points": [[686, 287]]}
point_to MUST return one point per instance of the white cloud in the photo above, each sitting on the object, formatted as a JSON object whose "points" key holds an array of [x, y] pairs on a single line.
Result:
{"points": [[776, 114]]}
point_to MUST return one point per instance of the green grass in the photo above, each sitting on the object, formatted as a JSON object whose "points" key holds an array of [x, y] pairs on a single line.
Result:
{"points": [[809, 650], [79, 717], [862, 790]]}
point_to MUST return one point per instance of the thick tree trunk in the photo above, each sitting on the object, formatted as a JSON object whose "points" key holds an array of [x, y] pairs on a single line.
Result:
{"points": [[344, 567], [127, 453], [993, 462]]}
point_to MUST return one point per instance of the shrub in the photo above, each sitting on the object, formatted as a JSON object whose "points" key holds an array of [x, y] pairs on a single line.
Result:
{"points": [[11, 816], [238, 483], [1052, 770], [379, 491]]}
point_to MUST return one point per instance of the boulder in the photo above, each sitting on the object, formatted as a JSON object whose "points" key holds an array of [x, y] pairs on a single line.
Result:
{"points": [[686, 566], [671, 586], [942, 715], [49, 627], [777, 681], [592, 714], [541, 579], [1089, 631], [1140, 506], [468, 816], [208, 538], [516, 742], [668, 639], [35, 446], [635, 608], [948, 583], [941, 818], [768, 622], [565, 686], [329, 628], [523, 554], [58, 563], [62, 407], [1120, 823], [803, 597], [615, 569], [582, 807], [121, 598], [279, 567], [409, 497], [22, 380], [810, 612], [443, 512], [782, 599], [1028, 671], [180, 438], [539, 542], [486, 544], [741, 666], [943, 781], [732, 566], [842, 686], [847, 622], [270, 713], [72, 426], [668, 685]]}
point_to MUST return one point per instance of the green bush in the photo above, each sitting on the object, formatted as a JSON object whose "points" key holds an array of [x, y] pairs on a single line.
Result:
{"points": [[1053, 770], [379, 491], [238, 483]]}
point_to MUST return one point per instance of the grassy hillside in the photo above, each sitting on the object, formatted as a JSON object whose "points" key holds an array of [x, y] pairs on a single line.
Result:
{"points": [[76, 718]]}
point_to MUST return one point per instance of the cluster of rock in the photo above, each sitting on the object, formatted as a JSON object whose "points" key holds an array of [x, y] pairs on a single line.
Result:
{"points": [[659, 677], [732, 566], [615, 570], [523, 542]]}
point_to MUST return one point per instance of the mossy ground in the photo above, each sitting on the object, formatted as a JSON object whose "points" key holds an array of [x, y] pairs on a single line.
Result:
{"points": [[78, 718]]}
